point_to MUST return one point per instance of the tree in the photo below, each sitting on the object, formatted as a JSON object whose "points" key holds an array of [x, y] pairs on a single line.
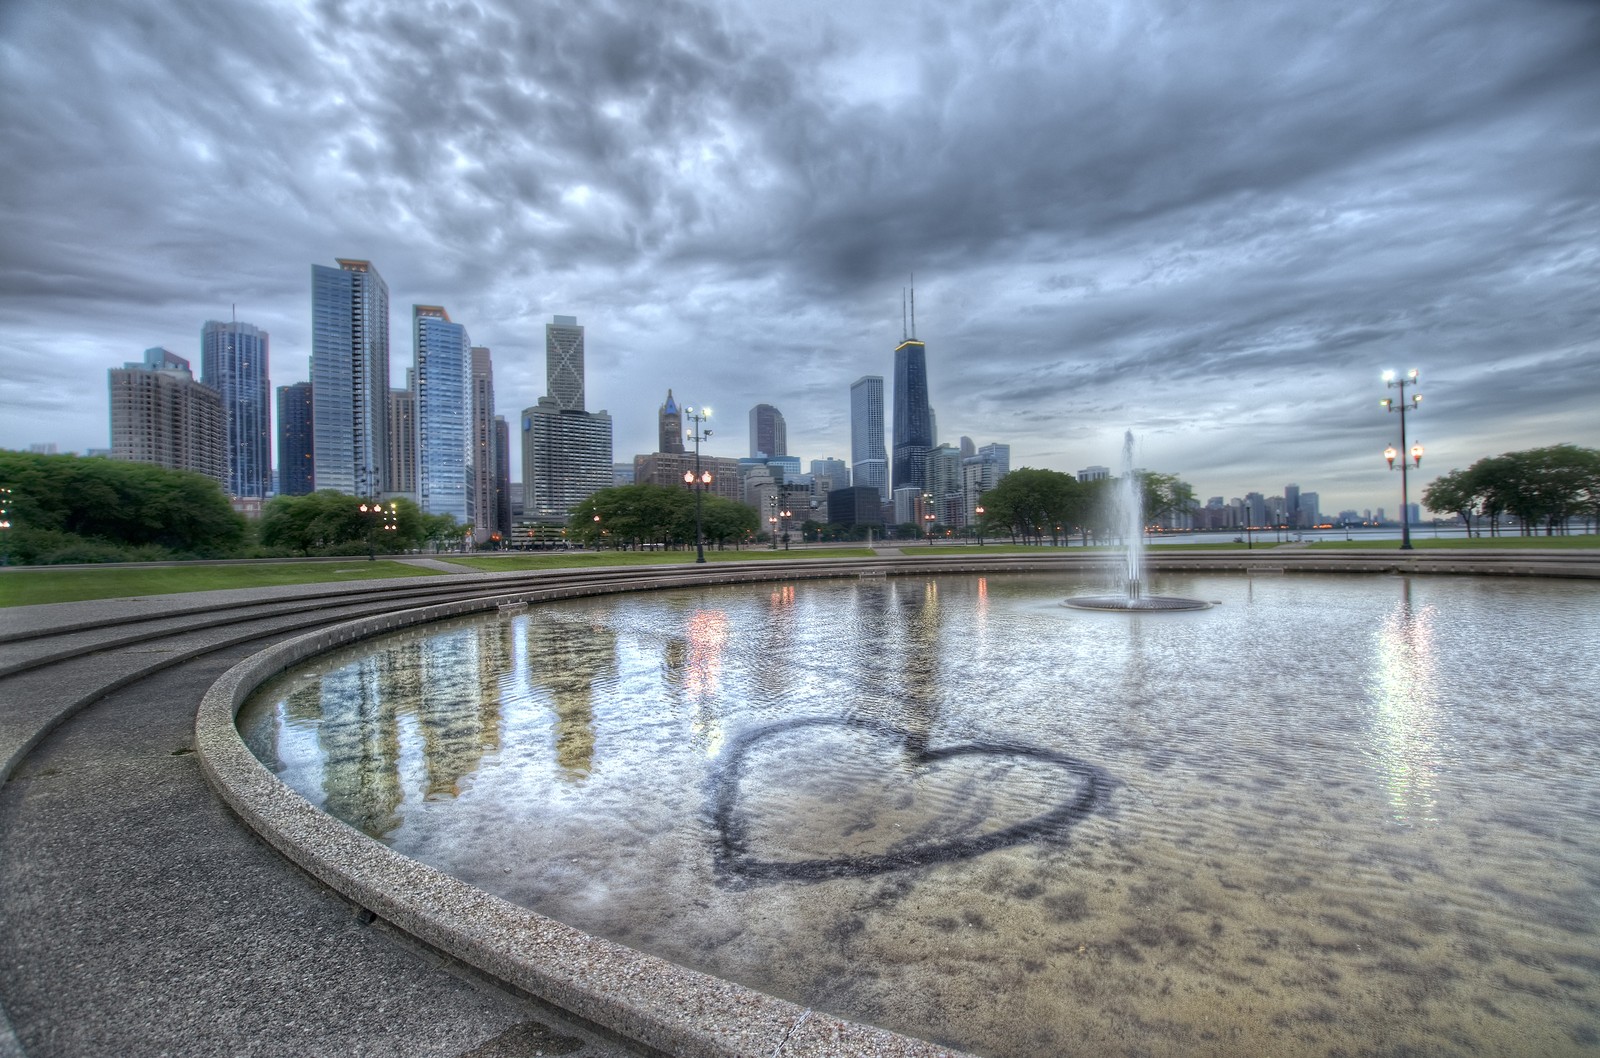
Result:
{"points": [[69, 508], [1029, 503], [1164, 495], [1455, 493], [332, 523]]}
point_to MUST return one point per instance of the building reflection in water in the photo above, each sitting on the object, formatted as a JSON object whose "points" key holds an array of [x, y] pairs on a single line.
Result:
{"points": [[694, 669], [360, 743], [1405, 695], [560, 662]]}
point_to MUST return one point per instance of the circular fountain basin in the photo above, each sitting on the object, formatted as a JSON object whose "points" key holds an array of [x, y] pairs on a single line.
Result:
{"points": [[1333, 814], [1142, 603]]}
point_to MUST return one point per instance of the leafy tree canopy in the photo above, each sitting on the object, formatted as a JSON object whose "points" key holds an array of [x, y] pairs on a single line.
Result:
{"points": [[71, 508]]}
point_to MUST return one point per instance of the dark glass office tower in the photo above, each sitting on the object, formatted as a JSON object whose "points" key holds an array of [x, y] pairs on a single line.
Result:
{"points": [[913, 418]]}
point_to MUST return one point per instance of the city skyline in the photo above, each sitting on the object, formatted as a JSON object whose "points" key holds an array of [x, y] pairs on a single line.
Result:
{"points": [[1213, 226]]}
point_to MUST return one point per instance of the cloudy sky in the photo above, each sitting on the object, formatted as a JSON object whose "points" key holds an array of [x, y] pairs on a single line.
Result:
{"points": [[1213, 223]]}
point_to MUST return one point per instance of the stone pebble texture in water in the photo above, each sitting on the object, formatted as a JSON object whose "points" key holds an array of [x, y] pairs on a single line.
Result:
{"points": [[1326, 816]]}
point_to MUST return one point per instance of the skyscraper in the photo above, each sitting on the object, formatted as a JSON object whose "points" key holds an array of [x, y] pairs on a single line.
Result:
{"points": [[566, 451], [295, 460], [444, 410], [161, 415], [502, 478], [768, 434], [869, 462], [671, 422], [401, 478], [233, 361], [563, 362], [913, 419], [350, 377], [485, 461]]}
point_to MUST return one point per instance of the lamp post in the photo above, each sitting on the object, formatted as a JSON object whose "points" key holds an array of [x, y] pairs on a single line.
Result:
{"points": [[698, 479], [384, 519], [772, 522], [785, 515], [5, 526], [1402, 406], [978, 510]]}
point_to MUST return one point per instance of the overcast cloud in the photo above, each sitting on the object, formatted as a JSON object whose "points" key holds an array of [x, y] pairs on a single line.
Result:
{"points": [[1213, 223]]}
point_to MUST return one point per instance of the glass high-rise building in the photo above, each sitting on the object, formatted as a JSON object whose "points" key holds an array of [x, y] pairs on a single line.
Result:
{"points": [[233, 361], [350, 377], [869, 462], [769, 436], [295, 460], [444, 414], [913, 418]]}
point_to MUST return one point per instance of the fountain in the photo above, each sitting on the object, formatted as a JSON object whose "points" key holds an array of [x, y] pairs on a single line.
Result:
{"points": [[1128, 518], [928, 802]]}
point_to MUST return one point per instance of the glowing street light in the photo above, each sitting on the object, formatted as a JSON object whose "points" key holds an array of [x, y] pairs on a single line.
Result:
{"points": [[1402, 406], [978, 510], [697, 479], [385, 519]]}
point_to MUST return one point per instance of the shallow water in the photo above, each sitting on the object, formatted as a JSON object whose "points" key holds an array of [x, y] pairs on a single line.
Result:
{"points": [[1329, 815]]}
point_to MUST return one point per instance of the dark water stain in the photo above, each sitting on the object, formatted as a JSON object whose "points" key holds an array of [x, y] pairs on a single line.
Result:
{"points": [[735, 859]]}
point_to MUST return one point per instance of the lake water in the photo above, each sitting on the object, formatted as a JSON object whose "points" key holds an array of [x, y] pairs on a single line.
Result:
{"points": [[1329, 815]]}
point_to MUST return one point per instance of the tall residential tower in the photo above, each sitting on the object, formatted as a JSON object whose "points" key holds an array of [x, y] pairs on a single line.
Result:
{"points": [[869, 462], [295, 460], [233, 361], [444, 411], [350, 377], [161, 415]]}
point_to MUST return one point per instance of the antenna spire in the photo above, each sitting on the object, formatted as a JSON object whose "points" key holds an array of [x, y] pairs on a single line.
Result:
{"points": [[913, 306], [904, 334]]}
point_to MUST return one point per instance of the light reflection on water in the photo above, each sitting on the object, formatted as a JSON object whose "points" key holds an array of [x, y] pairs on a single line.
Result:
{"points": [[1346, 814]]}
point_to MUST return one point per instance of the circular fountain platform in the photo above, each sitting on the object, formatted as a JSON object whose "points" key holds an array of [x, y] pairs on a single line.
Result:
{"points": [[1143, 602]]}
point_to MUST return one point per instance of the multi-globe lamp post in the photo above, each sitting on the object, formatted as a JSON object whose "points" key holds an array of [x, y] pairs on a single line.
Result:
{"points": [[1402, 406], [698, 479], [5, 526], [978, 510], [385, 519]]}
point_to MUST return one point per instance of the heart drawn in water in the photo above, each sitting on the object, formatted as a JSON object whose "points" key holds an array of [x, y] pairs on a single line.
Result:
{"points": [[809, 799]]}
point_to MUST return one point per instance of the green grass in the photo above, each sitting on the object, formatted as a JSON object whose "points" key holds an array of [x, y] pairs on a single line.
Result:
{"points": [[1422, 542], [580, 559], [26, 587]]}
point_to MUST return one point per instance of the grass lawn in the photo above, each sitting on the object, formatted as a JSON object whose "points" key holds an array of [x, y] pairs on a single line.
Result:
{"points": [[24, 588], [571, 559], [1477, 543]]}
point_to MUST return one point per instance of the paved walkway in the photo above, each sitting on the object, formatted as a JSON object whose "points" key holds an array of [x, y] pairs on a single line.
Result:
{"points": [[138, 917]]}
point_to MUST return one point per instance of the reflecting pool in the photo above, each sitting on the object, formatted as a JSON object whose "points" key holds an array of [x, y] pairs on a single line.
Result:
{"points": [[1328, 815]]}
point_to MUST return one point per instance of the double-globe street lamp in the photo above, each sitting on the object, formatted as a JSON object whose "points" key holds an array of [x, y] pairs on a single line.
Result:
{"points": [[5, 526], [978, 510], [697, 479], [1402, 406], [385, 519]]}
